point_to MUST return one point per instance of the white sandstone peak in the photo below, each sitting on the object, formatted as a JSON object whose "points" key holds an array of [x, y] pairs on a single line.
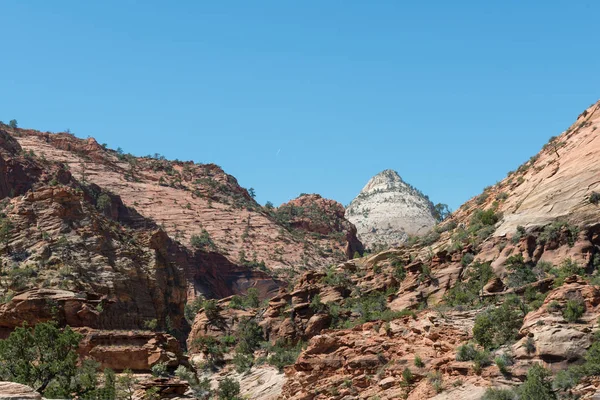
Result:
{"points": [[388, 209]]}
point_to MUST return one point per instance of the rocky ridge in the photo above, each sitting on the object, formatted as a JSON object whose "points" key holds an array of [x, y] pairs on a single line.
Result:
{"points": [[387, 210]]}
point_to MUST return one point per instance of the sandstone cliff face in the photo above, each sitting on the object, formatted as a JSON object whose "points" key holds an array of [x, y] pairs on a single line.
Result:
{"points": [[186, 199], [93, 238], [388, 210]]}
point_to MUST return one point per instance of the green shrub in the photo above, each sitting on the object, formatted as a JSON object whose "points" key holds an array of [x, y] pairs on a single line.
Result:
{"points": [[567, 268], [191, 309], [467, 293], [519, 272], [529, 345], [435, 379], [467, 259], [466, 352], [229, 389], [407, 376], [516, 238], [537, 385], [202, 241], [243, 362], [503, 361], [336, 279], [500, 325], [236, 302], [283, 354], [103, 202], [552, 232], [595, 198], [211, 310], [316, 305], [249, 336], [151, 324], [499, 394], [419, 362], [482, 359], [160, 369], [574, 309]]}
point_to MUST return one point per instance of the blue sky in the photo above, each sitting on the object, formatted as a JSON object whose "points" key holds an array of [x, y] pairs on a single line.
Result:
{"points": [[308, 96]]}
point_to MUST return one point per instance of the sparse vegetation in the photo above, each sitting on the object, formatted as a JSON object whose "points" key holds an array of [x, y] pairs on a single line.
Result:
{"points": [[574, 310], [499, 325], [552, 233], [202, 241], [229, 389]]}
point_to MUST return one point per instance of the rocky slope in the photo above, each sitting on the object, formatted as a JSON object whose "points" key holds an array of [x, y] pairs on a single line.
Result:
{"points": [[116, 246], [529, 245], [508, 281], [387, 210], [184, 199]]}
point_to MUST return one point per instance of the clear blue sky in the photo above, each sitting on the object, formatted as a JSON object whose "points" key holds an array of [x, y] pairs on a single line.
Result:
{"points": [[308, 96]]}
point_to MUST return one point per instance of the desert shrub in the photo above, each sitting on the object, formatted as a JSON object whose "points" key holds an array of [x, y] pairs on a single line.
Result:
{"points": [[529, 345], [519, 272], [552, 233], [251, 299], [435, 379], [430, 238], [191, 309], [566, 379], [419, 362], [499, 394], [103, 202], [249, 336], [481, 198], [243, 362], [516, 238], [211, 310], [503, 361], [574, 309], [499, 325], [407, 376], [13, 123], [283, 354], [554, 306], [202, 241], [567, 268], [534, 298], [229, 389], [160, 369], [466, 352], [467, 293], [399, 271], [482, 359], [467, 259], [369, 307], [502, 196], [595, 198], [592, 359], [537, 385], [483, 223], [336, 279], [316, 305]]}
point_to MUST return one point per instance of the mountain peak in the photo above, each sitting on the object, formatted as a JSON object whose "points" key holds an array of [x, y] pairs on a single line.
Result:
{"points": [[385, 180], [388, 209]]}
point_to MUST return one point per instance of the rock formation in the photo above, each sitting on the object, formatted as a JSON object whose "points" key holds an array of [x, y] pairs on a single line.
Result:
{"points": [[387, 210]]}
